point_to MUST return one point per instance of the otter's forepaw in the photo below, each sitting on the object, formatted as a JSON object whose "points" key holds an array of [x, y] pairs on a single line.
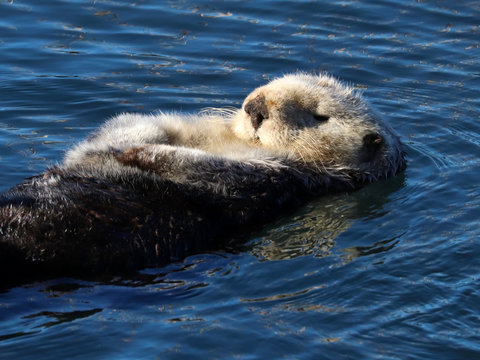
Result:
{"points": [[159, 158]]}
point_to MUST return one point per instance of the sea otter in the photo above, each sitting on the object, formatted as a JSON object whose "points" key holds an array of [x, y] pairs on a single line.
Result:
{"points": [[145, 190]]}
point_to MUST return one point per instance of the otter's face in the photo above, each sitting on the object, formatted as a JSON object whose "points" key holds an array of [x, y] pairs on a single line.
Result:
{"points": [[321, 122]]}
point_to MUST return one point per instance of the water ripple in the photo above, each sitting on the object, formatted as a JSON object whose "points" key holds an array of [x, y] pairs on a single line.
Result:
{"points": [[386, 271]]}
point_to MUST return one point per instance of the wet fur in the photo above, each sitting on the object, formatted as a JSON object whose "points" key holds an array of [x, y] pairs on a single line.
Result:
{"points": [[145, 190]]}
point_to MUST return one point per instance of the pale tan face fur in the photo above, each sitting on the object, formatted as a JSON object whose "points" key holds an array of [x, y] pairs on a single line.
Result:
{"points": [[319, 120]]}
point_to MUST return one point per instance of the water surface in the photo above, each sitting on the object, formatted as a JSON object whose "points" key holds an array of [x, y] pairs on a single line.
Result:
{"points": [[390, 271]]}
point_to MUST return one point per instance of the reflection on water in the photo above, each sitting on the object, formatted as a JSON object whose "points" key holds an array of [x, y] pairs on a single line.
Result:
{"points": [[351, 253], [314, 229]]}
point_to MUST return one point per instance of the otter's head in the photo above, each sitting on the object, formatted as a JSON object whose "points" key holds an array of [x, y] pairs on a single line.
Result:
{"points": [[321, 122]]}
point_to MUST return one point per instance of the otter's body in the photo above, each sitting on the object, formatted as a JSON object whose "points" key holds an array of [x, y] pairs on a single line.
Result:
{"points": [[144, 190]]}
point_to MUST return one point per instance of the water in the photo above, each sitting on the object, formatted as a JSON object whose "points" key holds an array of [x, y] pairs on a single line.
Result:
{"points": [[390, 271]]}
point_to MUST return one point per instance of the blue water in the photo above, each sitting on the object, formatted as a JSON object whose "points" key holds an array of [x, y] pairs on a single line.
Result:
{"points": [[391, 271]]}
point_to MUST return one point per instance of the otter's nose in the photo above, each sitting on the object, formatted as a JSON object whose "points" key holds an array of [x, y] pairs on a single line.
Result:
{"points": [[257, 110]]}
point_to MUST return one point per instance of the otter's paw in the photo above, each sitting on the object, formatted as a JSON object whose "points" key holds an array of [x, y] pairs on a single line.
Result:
{"points": [[159, 158]]}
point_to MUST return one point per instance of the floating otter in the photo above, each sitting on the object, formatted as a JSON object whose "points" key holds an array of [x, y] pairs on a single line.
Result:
{"points": [[145, 190]]}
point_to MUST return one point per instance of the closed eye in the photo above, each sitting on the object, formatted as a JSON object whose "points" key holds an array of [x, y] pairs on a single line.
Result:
{"points": [[321, 117]]}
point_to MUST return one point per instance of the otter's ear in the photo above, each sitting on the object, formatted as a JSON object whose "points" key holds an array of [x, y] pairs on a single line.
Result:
{"points": [[372, 143], [258, 111]]}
